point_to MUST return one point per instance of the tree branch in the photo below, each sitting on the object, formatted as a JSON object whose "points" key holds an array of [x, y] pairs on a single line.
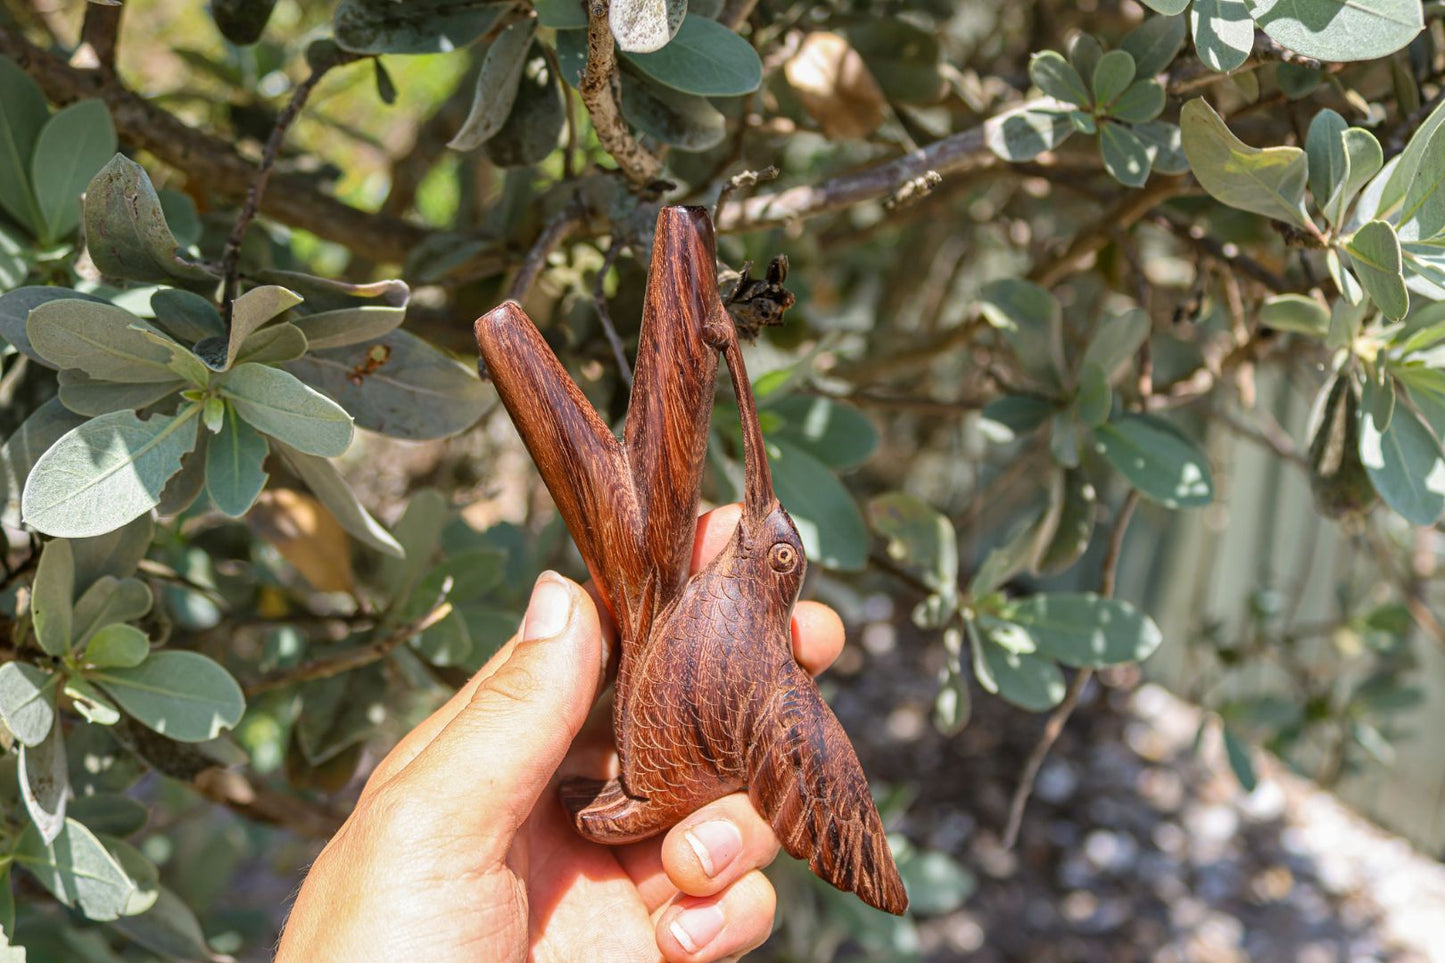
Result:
{"points": [[1134, 205], [600, 95], [355, 658], [101, 30], [558, 229], [959, 154], [207, 159]]}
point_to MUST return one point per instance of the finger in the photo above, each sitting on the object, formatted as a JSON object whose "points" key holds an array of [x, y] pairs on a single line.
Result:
{"points": [[642, 862], [490, 763], [714, 529], [710, 928], [817, 636], [717, 845]]}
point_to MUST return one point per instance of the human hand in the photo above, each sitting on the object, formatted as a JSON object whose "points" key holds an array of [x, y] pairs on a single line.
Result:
{"points": [[459, 848]]}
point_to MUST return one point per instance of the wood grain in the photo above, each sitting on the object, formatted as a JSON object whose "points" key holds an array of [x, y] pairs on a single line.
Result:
{"points": [[709, 697]]}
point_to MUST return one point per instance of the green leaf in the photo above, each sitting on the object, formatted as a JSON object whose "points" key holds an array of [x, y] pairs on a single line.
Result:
{"points": [[101, 340], [1405, 464], [1375, 253], [107, 601], [1023, 133], [1156, 459], [27, 701], [72, 147], [126, 232], [1297, 81], [704, 58], [278, 404], [414, 27], [1057, 78], [1028, 681], [1085, 52], [1117, 340], [497, 84], [1237, 751], [242, 21], [186, 316], [561, 14], [1032, 321], [1399, 179], [106, 472], [686, 121], [274, 344], [1141, 102], [86, 396], [110, 813], [90, 702], [446, 643], [904, 58], [335, 313], [182, 695], [169, 928], [78, 870], [44, 783], [1295, 312], [1167, 7], [1338, 480], [22, 117], [937, 884], [142, 872], [15, 308], [1086, 630], [1165, 145], [52, 597], [1125, 156], [409, 390], [1009, 418], [834, 535], [1223, 32], [1093, 400], [1269, 182], [15, 257], [7, 915], [531, 130], [1155, 43], [235, 466], [1329, 165], [1112, 76], [249, 312], [331, 489], [117, 647], [1422, 212], [835, 432], [45, 426], [117, 553], [920, 538], [1075, 526], [1341, 30]]}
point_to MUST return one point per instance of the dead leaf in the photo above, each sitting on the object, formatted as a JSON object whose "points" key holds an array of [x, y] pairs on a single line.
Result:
{"points": [[836, 87], [306, 535]]}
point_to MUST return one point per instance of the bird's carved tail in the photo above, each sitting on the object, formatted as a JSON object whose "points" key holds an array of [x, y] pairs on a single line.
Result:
{"points": [[804, 777]]}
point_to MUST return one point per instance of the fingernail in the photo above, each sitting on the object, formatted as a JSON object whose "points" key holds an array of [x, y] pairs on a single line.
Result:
{"points": [[696, 928], [716, 843], [550, 608]]}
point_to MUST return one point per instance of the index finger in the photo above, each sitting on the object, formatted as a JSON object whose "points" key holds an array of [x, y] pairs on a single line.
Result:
{"points": [[817, 631]]}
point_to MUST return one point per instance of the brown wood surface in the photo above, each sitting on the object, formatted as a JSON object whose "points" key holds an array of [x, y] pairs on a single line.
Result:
{"points": [[709, 697]]}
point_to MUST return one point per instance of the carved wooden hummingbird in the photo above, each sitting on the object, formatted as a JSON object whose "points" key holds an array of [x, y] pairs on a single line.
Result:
{"points": [[709, 697]]}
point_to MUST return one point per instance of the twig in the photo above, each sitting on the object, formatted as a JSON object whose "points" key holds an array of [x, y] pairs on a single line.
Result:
{"points": [[599, 297], [1107, 577], [600, 95], [1133, 206], [558, 229], [231, 255], [959, 154], [1227, 253], [356, 658], [101, 30], [740, 181]]}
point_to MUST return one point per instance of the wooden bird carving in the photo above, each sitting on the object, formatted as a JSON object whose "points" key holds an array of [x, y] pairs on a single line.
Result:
{"points": [[709, 697]]}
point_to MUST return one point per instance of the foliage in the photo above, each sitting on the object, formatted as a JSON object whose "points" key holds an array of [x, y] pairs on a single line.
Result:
{"points": [[1036, 287]]}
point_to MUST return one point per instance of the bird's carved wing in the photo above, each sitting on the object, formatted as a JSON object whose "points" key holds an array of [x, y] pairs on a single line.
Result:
{"points": [[805, 779]]}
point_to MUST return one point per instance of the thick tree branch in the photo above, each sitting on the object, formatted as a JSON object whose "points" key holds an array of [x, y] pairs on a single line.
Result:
{"points": [[101, 30], [600, 96], [210, 161]]}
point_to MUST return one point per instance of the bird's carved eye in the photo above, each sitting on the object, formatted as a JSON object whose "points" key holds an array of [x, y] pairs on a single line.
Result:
{"points": [[783, 558]]}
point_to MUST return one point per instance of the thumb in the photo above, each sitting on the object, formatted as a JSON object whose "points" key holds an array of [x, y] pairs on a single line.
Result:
{"points": [[494, 759]]}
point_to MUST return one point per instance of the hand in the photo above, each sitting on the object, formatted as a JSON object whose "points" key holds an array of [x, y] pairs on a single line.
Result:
{"points": [[459, 848]]}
